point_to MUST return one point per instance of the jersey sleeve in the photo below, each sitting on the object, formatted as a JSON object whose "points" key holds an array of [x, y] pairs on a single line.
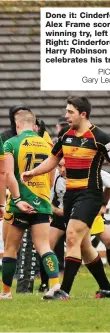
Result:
{"points": [[1, 149], [57, 149], [8, 148]]}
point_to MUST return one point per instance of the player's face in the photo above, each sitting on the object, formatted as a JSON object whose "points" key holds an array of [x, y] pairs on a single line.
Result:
{"points": [[61, 167], [73, 116], [58, 128]]}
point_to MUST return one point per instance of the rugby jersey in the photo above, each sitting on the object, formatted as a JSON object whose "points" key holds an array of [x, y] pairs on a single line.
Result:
{"points": [[84, 156], [29, 150]]}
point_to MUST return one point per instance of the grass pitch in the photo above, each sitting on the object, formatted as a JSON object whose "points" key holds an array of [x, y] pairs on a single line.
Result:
{"points": [[82, 313]]}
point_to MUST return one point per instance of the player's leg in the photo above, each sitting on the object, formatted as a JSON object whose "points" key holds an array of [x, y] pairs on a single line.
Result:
{"points": [[83, 211], [105, 238], [27, 261], [12, 237], [76, 231], [55, 235], [40, 234], [94, 264]]}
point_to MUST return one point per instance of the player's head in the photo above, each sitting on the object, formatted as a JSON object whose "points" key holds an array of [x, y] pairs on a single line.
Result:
{"points": [[12, 111], [61, 167], [77, 111], [24, 119], [39, 127], [61, 124]]}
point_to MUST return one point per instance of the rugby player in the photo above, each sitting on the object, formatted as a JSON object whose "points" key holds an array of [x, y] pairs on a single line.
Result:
{"points": [[84, 147], [2, 180], [22, 152], [58, 228], [28, 260]]}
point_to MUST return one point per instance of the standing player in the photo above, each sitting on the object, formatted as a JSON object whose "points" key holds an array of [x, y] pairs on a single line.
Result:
{"points": [[22, 152], [2, 180], [84, 147], [28, 258], [29, 261], [101, 229], [57, 226]]}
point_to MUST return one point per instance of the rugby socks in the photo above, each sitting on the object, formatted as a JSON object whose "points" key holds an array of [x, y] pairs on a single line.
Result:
{"points": [[50, 263], [8, 271], [95, 242], [96, 268], [72, 266], [43, 274]]}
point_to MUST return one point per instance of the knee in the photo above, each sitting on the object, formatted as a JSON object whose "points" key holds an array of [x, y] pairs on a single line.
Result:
{"points": [[107, 242], [71, 238], [105, 238]]}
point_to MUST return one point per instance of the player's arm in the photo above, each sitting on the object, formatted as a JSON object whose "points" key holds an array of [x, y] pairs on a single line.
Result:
{"points": [[12, 183], [103, 144], [2, 187], [46, 166], [57, 211], [52, 177], [13, 186], [2, 180]]}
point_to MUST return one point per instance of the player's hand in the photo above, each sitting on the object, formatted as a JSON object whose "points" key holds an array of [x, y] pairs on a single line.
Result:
{"points": [[25, 207], [2, 211], [57, 211], [27, 175], [102, 210]]}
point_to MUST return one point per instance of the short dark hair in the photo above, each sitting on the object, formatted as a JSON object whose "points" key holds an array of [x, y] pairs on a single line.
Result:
{"points": [[82, 104]]}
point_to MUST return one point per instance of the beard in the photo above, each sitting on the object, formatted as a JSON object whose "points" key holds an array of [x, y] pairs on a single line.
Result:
{"points": [[74, 126]]}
